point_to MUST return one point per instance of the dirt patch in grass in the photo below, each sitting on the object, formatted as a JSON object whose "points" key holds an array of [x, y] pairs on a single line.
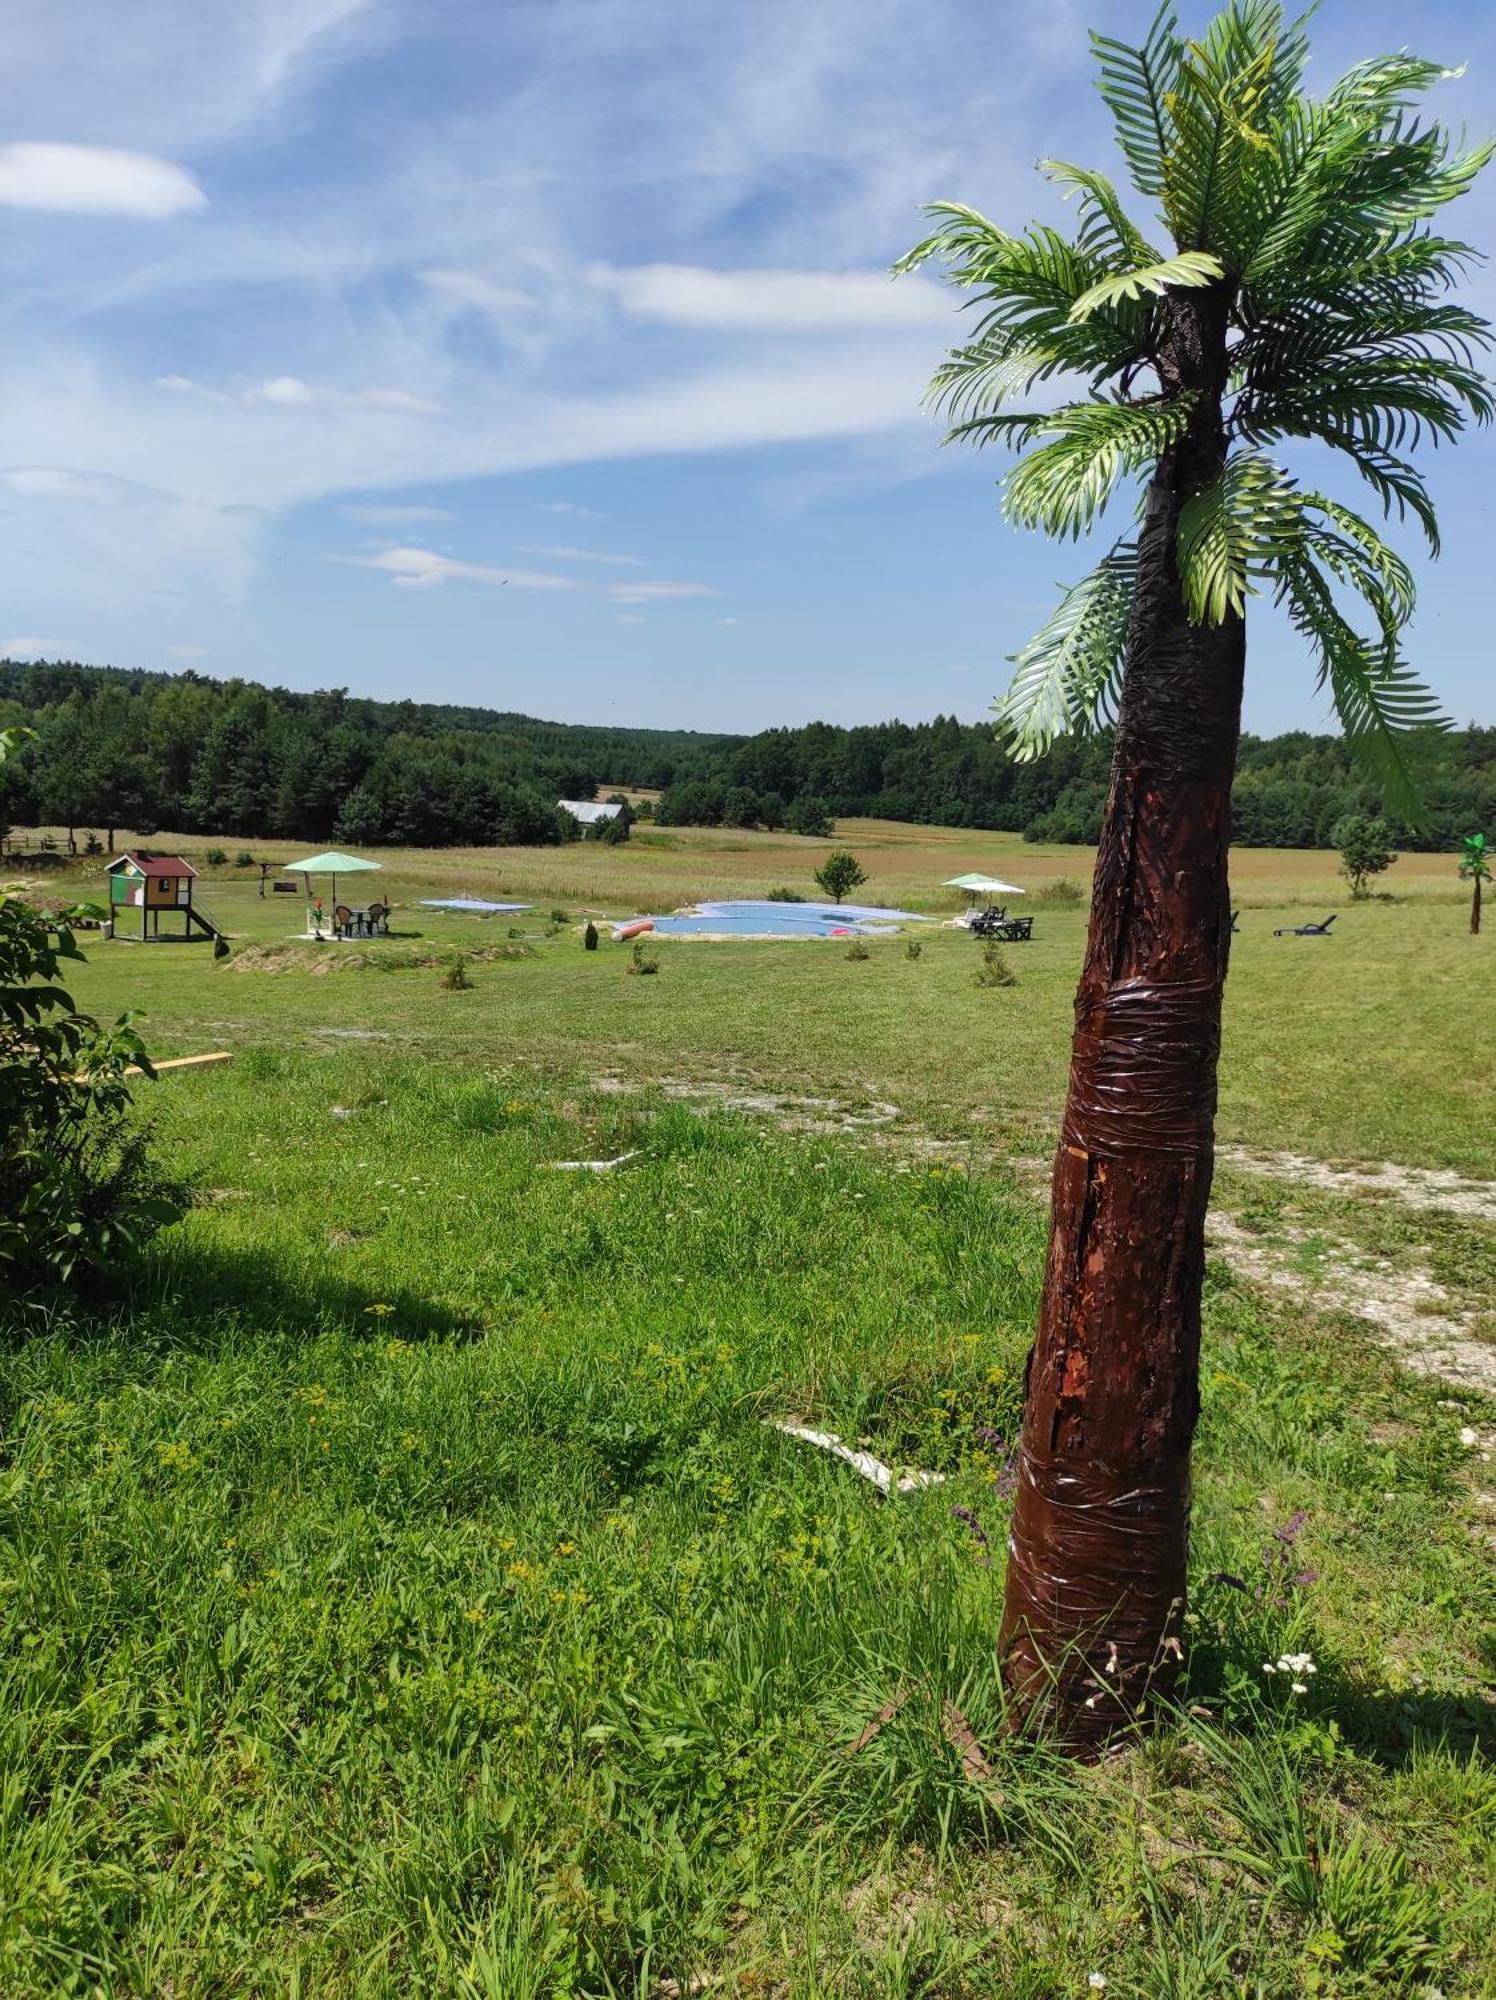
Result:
{"points": [[788, 1111], [1406, 1309], [1415, 1187]]}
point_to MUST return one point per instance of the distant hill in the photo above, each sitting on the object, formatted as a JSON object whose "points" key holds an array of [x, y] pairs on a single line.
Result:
{"points": [[234, 757]]}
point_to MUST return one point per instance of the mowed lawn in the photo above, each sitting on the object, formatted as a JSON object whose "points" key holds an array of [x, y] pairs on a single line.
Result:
{"points": [[405, 1590], [1365, 1044]]}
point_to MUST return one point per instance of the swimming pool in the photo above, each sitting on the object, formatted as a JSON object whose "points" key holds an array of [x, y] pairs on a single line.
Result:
{"points": [[746, 918]]}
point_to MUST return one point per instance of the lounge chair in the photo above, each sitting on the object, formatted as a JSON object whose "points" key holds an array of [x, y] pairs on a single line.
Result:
{"points": [[1307, 930], [342, 921]]}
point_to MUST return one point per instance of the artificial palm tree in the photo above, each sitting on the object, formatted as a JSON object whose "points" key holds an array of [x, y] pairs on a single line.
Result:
{"points": [[1302, 295], [1475, 867]]}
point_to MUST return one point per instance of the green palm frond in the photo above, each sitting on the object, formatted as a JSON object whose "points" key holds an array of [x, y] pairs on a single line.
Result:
{"points": [[1023, 289], [1065, 482], [1381, 703], [1135, 86], [1313, 221], [1188, 269], [1106, 230], [1233, 532], [1064, 680]]}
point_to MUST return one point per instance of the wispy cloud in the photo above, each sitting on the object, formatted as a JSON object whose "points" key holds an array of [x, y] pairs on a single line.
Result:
{"points": [[95, 180], [656, 593], [396, 516], [424, 569], [587, 556], [771, 301], [27, 647]]}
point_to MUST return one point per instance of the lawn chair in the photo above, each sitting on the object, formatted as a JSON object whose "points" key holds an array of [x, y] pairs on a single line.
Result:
{"points": [[379, 920], [986, 923], [342, 921], [1306, 930]]}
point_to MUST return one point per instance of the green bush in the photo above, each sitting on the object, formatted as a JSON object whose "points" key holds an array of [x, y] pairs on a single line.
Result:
{"points": [[1062, 891], [79, 1187], [784, 896], [857, 949], [215, 857], [913, 948], [994, 969], [642, 962], [455, 975], [244, 859]]}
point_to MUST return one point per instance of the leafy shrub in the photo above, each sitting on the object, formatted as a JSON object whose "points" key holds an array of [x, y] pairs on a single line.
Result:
{"points": [[455, 975], [784, 896], [79, 1186], [93, 845], [994, 969], [642, 962], [559, 917], [857, 949], [913, 948], [244, 859], [1062, 891], [215, 857]]}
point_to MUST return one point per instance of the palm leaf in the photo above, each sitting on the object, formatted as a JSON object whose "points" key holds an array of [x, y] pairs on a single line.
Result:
{"points": [[1190, 268], [1135, 84], [1065, 482], [1234, 531], [1065, 678]]}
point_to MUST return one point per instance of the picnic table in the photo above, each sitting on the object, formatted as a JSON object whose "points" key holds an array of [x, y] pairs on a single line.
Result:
{"points": [[998, 924]]}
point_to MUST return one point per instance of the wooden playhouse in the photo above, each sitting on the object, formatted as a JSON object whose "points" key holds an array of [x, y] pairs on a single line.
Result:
{"points": [[144, 888]]}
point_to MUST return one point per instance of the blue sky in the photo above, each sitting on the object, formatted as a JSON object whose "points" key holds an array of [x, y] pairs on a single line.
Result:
{"points": [[541, 354]]}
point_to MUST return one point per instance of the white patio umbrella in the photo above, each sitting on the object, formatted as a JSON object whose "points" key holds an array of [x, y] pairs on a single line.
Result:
{"points": [[982, 885]]}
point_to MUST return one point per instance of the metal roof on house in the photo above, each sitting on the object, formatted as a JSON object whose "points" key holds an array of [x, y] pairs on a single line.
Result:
{"points": [[151, 864], [588, 811]]}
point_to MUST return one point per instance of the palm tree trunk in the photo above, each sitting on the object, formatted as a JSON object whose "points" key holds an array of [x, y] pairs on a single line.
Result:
{"points": [[1092, 1625], [1475, 910]]}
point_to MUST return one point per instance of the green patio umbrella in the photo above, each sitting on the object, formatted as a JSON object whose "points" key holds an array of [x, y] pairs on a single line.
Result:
{"points": [[331, 863]]}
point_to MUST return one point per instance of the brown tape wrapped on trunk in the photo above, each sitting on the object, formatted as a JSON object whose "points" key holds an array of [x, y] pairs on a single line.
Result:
{"points": [[1092, 1625]]}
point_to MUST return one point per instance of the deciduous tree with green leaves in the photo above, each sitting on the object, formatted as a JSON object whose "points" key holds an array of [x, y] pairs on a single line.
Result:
{"points": [[1290, 285], [1475, 868], [1366, 849], [840, 875]]}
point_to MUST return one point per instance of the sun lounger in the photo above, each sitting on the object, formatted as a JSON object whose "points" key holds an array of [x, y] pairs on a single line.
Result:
{"points": [[1306, 930]]}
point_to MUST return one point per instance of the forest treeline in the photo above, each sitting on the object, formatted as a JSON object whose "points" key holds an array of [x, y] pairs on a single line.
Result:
{"points": [[145, 750]]}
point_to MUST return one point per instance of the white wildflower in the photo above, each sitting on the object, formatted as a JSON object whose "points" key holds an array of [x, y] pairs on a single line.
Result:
{"points": [[1300, 1687], [1096, 1981]]}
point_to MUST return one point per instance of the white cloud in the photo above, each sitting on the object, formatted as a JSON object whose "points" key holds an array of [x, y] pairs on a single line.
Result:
{"points": [[570, 507], [26, 648], [95, 180], [772, 301], [423, 569], [656, 593], [288, 390], [586, 556], [395, 517], [729, 621]]}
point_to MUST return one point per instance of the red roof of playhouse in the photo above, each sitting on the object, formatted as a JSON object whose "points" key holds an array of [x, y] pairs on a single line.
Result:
{"points": [[152, 864]]}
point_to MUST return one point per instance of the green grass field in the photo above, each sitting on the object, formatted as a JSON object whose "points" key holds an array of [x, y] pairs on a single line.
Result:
{"points": [[405, 1590]]}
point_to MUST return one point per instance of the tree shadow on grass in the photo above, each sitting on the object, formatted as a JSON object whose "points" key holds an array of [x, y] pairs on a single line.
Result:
{"points": [[193, 1301], [1392, 1724]]}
